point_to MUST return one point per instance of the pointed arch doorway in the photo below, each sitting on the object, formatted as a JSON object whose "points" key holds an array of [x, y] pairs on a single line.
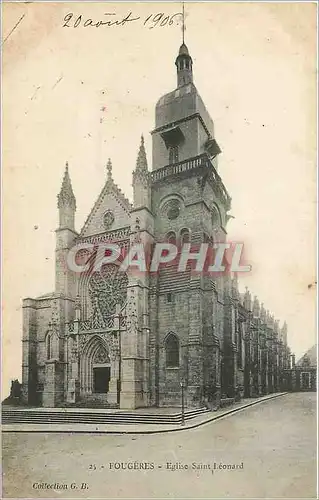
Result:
{"points": [[101, 378], [95, 367]]}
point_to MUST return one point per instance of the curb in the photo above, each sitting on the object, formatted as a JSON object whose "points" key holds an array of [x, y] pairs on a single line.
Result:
{"points": [[150, 431]]}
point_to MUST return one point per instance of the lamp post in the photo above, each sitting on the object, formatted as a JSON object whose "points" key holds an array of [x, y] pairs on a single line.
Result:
{"points": [[119, 380], [183, 403]]}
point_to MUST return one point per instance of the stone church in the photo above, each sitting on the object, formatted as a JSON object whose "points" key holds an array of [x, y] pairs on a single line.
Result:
{"points": [[114, 339]]}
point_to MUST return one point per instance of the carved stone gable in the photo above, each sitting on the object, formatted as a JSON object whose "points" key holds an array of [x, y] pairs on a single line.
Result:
{"points": [[112, 208]]}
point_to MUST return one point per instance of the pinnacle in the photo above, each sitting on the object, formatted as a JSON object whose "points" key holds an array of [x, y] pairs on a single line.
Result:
{"points": [[141, 162], [109, 169], [284, 327], [66, 196]]}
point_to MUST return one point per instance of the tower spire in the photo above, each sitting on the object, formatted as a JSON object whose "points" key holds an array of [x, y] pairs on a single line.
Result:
{"points": [[184, 61]]}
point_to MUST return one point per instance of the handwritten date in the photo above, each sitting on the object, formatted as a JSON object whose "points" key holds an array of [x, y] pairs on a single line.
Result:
{"points": [[152, 21]]}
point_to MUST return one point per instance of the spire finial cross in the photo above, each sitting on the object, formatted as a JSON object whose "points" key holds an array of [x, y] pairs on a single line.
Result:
{"points": [[183, 25]]}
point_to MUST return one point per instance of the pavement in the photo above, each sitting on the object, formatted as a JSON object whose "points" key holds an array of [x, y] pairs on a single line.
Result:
{"points": [[267, 450], [138, 428]]}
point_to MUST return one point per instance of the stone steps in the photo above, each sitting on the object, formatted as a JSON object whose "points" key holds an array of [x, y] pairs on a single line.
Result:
{"points": [[58, 416]]}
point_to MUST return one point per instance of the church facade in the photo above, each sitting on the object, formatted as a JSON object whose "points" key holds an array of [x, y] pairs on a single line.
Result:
{"points": [[130, 340]]}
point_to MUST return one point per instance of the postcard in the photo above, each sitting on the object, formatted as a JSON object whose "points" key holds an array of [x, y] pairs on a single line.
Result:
{"points": [[159, 250]]}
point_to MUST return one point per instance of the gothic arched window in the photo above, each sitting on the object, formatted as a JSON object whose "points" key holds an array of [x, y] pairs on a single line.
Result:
{"points": [[216, 219], [49, 346], [52, 345], [184, 236], [171, 238], [172, 351], [210, 249]]}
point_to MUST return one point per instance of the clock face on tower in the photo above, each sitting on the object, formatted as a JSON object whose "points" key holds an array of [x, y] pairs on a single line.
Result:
{"points": [[172, 209]]}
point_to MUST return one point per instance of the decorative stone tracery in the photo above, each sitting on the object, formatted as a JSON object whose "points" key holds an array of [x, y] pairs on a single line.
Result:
{"points": [[106, 289], [131, 310], [108, 341], [101, 291], [101, 356]]}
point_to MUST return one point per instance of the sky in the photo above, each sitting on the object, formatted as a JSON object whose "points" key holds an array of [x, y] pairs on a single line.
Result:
{"points": [[254, 65]]}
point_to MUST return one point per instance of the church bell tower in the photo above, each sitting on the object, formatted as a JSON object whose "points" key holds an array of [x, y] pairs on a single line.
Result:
{"points": [[191, 205]]}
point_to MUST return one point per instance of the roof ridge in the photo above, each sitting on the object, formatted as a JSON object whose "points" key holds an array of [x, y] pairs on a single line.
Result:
{"points": [[119, 192]]}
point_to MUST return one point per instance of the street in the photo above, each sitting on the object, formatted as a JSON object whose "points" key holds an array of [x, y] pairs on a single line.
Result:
{"points": [[267, 450]]}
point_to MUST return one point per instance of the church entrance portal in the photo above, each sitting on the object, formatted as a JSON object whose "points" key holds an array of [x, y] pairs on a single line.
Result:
{"points": [[101, 379], [95, 367]]}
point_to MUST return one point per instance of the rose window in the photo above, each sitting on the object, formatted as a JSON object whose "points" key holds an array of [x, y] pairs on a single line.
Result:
{"points": [[172, 209], [107, 288]]}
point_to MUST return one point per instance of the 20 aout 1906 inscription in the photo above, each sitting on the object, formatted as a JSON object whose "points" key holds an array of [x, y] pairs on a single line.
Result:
{"points": [[159, 19]]}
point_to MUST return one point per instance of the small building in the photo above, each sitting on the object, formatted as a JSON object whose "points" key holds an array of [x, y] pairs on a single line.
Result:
{"points": [[303, 374]]}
